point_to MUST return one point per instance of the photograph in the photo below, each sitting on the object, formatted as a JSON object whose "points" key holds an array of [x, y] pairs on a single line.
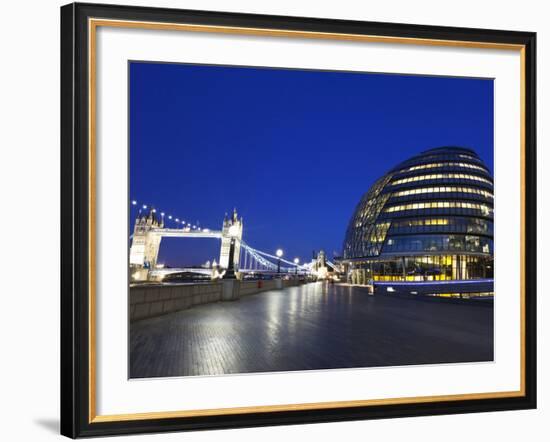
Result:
{"points": [[285, 220], [276, 219]]}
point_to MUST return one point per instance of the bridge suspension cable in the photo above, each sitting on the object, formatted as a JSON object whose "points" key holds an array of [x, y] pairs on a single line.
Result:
{"points": [[260, 258]]}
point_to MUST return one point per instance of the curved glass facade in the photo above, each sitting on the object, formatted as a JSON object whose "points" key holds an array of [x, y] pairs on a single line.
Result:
{"points": [[428, 219]]}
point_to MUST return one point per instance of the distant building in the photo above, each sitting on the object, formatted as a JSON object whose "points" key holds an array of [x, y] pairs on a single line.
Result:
{"points": [[428, 219]]}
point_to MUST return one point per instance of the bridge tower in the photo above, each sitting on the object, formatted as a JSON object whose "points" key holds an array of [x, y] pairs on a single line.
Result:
{"points": [[234, 220], [320, 265], [145, 245]]}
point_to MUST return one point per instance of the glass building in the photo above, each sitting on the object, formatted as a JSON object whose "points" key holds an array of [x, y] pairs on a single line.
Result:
{"points": [[428, 219]]}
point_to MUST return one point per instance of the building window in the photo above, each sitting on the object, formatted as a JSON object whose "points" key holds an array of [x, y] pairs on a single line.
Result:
{"points": [[443, 189], [444, 164], [484, 208], [441, 176]]}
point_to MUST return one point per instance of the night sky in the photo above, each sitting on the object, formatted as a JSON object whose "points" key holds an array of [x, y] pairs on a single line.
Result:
{"points": [[292, 150]]}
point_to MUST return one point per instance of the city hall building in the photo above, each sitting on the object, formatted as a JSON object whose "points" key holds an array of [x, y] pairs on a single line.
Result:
{"points": [[428, 219]]}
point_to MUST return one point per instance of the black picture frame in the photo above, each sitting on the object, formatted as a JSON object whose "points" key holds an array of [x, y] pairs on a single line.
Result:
{"points": [[75, 221]]}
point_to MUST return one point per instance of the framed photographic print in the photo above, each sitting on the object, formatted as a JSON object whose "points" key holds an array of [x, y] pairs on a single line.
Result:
{"points": [[274, 220]]}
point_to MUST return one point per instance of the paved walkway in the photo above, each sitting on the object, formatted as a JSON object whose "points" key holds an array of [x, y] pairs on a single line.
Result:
{"points": [[315, 326]]}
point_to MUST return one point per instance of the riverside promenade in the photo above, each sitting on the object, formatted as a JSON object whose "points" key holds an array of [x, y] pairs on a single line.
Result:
{"points": [[309, 327]]}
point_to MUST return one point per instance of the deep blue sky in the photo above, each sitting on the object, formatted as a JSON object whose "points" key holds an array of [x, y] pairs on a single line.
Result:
{"points": [[292, 150]]}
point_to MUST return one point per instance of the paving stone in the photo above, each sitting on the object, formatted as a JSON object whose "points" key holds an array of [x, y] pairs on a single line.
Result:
{"points": [[314, 326]]}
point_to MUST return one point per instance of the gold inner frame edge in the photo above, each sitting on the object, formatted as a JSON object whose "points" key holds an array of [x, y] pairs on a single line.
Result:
{"points": [[93, 24]]}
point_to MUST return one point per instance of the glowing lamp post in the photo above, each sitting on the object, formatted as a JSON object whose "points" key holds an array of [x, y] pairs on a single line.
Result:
{"points": [[230, 272], [296, 261], [279, 253]]}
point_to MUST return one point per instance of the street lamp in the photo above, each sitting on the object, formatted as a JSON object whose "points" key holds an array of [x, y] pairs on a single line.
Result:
{"points": [[230, 272], [279, 253], [296, 261]]}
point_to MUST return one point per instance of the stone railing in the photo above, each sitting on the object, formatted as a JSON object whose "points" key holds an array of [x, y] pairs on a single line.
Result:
{"points": [[147, 301]]}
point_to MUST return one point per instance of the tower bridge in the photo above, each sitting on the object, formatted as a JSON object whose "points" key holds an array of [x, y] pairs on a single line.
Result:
{"points": [[150, 228]]}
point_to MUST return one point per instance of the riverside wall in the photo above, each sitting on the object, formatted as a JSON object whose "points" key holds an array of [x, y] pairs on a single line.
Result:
{"points": [[150, 300]]}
